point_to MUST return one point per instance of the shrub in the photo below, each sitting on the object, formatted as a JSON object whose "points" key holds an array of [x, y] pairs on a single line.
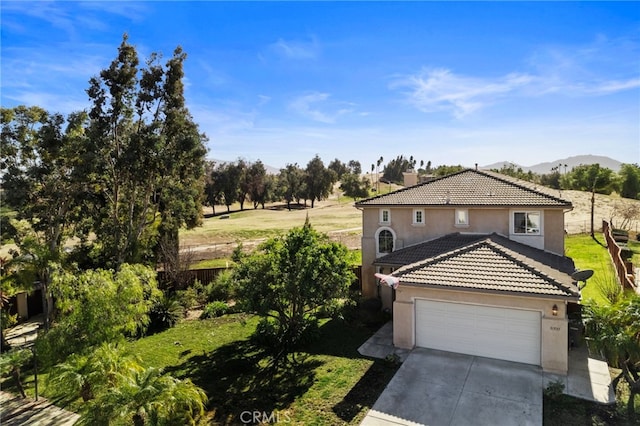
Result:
{"points": [[221, 288], [215, 309], [554, 389], [193, 296], [165, 313]]}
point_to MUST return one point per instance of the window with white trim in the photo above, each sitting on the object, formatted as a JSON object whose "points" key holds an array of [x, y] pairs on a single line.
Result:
{"points": [[418, 217], [462, 217], [385, 216], [527, 223]]}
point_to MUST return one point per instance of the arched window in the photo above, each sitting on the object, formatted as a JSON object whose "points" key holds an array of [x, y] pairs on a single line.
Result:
{"points": [[385, 241]]}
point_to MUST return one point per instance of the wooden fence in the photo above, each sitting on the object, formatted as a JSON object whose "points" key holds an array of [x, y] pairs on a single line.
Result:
{"points": [[624, 269]]}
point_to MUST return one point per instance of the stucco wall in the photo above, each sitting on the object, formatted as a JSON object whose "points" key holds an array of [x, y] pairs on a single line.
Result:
{"points": [[441, 221], [554, 332]]}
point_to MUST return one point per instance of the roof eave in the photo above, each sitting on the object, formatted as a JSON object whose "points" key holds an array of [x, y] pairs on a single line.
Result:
{"points": [[568, 298]]}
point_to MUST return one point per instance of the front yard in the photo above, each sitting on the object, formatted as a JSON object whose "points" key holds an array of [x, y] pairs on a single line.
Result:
{"points": [[331, 384]]}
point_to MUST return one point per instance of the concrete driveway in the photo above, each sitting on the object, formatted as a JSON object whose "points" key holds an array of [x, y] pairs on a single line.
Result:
{"points": [[438, 388]]}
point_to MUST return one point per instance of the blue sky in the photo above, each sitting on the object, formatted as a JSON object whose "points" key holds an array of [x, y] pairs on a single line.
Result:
{"points": [[446, 82]]}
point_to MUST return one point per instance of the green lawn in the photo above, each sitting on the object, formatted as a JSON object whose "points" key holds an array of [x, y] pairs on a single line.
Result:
{"points": [[589, 254], [332, 384]]}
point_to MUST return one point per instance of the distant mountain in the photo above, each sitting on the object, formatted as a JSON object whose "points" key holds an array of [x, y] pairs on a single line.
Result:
{"points": [[570, 162]]}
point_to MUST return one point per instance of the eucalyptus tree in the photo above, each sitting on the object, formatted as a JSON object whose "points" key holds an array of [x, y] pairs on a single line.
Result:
{"points": [[259, 184], [144, 156], [319, 180], [291, 183]]}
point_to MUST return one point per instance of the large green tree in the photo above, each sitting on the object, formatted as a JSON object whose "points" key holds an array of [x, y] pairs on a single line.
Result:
{"points": [[630, 181], [355, 186], [287, 280], [319, 180], [144, 157], [39, 169], [40, 183], [291, 185], [260, 185]]}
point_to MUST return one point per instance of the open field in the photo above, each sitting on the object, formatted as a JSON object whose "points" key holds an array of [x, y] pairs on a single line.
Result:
{"points": [[343, 222]]}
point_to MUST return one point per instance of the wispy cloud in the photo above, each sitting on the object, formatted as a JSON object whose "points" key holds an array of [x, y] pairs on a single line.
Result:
{"points": [[589, 70], [308, 106], [296, 49], [434, 90]]}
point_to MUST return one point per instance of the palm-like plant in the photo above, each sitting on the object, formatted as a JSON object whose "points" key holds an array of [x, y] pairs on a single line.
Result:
{"points": [[148, 398], [86, 376], [614, 331]]}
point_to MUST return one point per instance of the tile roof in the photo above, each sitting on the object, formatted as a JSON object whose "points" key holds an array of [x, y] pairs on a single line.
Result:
{"points": [[470, 188], [491, 263]]}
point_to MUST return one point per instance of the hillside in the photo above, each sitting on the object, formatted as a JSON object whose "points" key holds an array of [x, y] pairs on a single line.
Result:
{"points": [[571, 162]]}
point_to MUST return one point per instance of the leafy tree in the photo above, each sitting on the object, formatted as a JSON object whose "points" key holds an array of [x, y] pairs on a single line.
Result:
{"points": [[143, 157], [355, 186], [509, 169], [98, 306], [446, 170], [338, 167], [212, 189], [243, 181], [259, 184], [291, 183], [552, 180], [592, 178], [613, 331], [319, 180], [39, 167], [394, 169], [227, 179], [287, 280], [630, 181], [355, 167], [29, 265]]}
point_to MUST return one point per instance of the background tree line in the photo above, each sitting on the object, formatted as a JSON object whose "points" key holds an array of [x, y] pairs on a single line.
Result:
{"points": [[585, 177], [240, 181]]}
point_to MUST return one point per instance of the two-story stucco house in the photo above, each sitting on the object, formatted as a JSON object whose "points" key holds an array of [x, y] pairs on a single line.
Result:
{"points": [[480, 258]]}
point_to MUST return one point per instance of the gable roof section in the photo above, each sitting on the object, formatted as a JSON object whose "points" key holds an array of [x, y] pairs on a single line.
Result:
{"points": [[490, 263], [470, 188]]}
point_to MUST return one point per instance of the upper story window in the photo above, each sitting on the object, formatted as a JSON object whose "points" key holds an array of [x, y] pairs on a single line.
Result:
{"points": [[418, 217], [526, 223], [462, 217], [385, 240], [385, 216]]}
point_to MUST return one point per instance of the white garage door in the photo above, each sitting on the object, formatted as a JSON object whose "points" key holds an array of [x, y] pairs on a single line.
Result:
{"points": [[509, 334]]}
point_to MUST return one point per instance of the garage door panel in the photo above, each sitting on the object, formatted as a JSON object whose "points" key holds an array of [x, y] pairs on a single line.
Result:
{"points": [[493, 332]]}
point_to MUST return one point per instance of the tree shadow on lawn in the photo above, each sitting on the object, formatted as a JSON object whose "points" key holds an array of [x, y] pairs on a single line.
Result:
{"points": [[365, 393], [236, 379], [342, 339]]}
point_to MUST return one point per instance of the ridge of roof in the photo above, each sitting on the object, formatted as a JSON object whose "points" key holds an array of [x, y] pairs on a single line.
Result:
{"points": [[466, 194]]}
